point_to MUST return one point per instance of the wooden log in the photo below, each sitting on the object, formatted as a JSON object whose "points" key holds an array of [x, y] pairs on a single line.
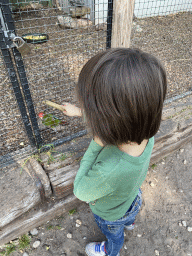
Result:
{"points": [[166, 145], [37, 217], [19, 194], [42, 176], [122, 23], [62, 180]]}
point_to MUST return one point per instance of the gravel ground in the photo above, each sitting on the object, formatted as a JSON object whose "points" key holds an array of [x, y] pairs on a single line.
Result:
{"points": [[163, 226]]}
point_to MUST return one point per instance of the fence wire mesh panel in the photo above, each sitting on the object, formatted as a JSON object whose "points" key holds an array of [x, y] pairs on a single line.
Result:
{"points": [[74, 35], [72, 32], [163, 28]]}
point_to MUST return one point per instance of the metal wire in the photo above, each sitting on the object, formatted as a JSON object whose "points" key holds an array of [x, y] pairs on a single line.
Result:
{"points": [[52, 68]]}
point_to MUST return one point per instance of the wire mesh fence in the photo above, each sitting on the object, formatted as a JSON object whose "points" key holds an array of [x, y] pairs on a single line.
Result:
{"points": [[75, 31]]}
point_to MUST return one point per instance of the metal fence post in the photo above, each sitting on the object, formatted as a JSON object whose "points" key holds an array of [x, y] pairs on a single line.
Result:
{"points": [[109, 23], [25, 104]]}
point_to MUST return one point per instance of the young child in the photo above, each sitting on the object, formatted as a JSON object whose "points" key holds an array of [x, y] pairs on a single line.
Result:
{"points": [[121, 93]]}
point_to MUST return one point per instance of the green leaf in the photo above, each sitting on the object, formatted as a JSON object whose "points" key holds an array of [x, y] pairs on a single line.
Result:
{"points": [[73, 211], [24, 242]]}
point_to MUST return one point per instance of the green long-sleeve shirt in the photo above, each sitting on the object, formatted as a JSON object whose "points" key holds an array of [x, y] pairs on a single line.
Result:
{"points": [[109, 179]]}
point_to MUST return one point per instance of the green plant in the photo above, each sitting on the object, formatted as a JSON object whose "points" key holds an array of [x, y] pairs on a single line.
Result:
{"points": [[50, 227], [73, 211], [153, 166], [63, 157], [58, 227], [24, 242], [10, 248]]}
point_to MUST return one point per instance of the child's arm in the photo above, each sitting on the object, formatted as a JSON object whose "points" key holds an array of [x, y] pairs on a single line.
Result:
{"points": [[90, 182]]}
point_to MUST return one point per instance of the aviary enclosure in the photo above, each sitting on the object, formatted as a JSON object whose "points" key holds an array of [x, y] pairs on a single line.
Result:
{"points": [[62, 36]]}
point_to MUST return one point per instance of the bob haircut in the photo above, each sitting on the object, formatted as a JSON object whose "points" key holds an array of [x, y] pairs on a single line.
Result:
{"points": [[121, 92]]}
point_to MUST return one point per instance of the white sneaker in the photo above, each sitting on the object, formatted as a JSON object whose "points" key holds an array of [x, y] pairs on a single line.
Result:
{"points": [[130, 227], [96, 249]]}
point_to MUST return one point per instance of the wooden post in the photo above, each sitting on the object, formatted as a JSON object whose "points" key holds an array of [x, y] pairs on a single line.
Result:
{"points": [[122, 22]]}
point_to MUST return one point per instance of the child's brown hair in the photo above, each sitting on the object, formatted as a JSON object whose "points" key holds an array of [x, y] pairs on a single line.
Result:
{"points": [[121, 92]]}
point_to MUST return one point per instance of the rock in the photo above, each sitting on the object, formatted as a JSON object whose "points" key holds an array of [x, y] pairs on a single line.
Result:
{"points": [[184, 223], [78, 222], [180, 224], [79, 11], [189, 229], [151, 184], [101, 26], [25, 254], [125, 247], [139, 235], [185, 161], [182, 150], [138, 28], [84, 237], [68, 22], [157, 253], [36, 244], [34, 232], [69, 235], [36, 5]]}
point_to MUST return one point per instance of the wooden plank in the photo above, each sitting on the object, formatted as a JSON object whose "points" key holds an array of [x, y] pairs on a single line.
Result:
{"points": [[62, 180], [19, 194], [42, 176], [37, 217], [122, 23], [166, 145]]}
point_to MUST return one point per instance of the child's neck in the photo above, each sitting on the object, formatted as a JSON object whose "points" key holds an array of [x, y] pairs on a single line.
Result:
{"points": [[133, 149]]}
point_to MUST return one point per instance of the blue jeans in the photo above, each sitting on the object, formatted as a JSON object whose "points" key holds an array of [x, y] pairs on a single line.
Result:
{"points": [[114, 230]]}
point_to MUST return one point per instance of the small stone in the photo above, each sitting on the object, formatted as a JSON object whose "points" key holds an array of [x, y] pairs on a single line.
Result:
{"points": [[22, 144], [189, 229], [34, 232], [180, 224], [77, 225], [139, 235], [151, 184], [125, 247], [138, 28], [84, 237], [157, 253], [185, 161], [36, 244], [182, 150], [69, 235], [163, 162], [124, 234], [184, 223], [78, 222], [25, 254], [15, 241]]}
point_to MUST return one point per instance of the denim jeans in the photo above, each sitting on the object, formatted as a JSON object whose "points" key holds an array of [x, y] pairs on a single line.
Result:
{"points": [[114, 230]]}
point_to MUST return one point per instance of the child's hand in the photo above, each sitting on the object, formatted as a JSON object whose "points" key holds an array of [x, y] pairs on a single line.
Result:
{"points": [[71, 110], [98, 141]]}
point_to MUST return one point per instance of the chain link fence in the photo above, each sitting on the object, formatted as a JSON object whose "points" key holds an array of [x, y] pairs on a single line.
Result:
{"points": [[74, 31]]}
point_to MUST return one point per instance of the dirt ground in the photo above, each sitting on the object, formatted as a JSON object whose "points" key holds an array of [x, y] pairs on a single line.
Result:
{"points": [[163, 226]]}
